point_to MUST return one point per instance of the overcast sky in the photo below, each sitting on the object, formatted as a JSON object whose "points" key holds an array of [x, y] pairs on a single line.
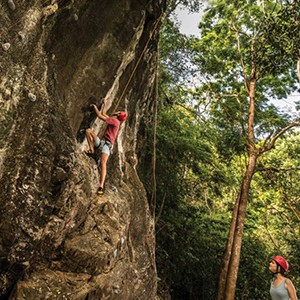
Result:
{"points": [[189, 22]]}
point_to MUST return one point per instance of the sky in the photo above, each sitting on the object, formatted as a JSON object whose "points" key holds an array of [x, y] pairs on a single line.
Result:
{"points": [[189, 26], [189, 22]]}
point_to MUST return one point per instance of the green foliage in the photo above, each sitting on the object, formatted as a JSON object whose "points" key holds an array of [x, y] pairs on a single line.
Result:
{"points": [[234, 42], [279, 185], [275, 209], [190, 239], [175, 70], [254, 276], [189, 252], [174, 49], [191, 5], [280, 36], [201, 149], [185, 153]]}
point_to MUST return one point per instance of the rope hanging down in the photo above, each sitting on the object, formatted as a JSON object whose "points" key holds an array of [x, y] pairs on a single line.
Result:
{"points": [[8, 29], [138, 62]]}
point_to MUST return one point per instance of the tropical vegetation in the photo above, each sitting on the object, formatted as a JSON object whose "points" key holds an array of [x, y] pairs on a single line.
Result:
{"points": [[227, 161]]}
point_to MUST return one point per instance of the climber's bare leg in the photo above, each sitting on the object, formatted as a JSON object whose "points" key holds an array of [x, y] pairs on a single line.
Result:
{"points": [[104, 157], [91, 138]]}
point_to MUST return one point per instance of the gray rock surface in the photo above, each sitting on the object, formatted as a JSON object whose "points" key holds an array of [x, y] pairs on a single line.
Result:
{"points": [[58, 240]]}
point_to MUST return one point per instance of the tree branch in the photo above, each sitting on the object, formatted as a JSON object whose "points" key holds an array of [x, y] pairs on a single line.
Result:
{"points": [[241, 58], [273, 169], [271, 144]]}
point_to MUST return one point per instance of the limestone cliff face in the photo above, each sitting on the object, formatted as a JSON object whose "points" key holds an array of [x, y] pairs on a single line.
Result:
{"points": [[58, 241]]}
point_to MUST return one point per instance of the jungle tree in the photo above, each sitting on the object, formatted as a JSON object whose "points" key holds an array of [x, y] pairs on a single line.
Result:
{"points": [[246, 55]]}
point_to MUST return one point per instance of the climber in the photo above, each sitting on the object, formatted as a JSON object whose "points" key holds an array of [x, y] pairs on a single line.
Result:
{"points": [[282, 288], [104, 144]]}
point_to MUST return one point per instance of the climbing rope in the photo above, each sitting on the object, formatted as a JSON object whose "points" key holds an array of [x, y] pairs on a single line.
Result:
{"points": [[10, 28], [138, 62]]}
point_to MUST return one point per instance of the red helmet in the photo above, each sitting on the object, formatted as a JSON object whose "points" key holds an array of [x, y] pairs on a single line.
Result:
{"points": [[122, 116], [282, 262]]}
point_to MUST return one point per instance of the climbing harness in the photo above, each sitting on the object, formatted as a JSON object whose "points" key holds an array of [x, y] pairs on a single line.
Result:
{"points": [[107, 143]]}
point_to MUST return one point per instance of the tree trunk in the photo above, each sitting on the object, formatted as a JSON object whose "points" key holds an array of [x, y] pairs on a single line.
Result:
{"points": [[231, 259], [230, 263], [238, 234], [227, 255]]}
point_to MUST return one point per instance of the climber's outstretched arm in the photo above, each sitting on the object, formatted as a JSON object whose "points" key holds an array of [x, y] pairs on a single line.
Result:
{"points": [[101, 113], [104, 108]]}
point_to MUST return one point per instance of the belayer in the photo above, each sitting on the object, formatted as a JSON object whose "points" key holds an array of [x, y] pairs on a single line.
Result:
{"points": [[106, 143], [281, 288]]}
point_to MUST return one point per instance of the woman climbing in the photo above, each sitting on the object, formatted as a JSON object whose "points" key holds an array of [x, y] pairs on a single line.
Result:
{"points": [[282, 288], [106, 142]]}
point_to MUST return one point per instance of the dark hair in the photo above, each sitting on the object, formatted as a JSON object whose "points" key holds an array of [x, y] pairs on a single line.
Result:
{"points": [[279, 268]]}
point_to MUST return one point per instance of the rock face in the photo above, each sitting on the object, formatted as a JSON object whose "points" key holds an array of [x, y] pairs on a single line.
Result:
{"points": [[58, 240]]}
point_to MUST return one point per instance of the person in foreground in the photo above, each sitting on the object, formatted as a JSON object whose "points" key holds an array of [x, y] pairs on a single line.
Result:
{"points": [[104, 144], [282, 288]]}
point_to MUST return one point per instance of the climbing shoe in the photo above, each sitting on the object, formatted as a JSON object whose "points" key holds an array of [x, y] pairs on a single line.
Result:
{"points": [[100, 191]]}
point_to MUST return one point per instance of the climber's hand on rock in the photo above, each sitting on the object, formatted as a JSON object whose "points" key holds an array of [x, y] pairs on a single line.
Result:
{"points": [[94, 106]]}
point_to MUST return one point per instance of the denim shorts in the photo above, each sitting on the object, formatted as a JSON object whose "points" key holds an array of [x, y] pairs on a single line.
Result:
{"points": [[102, 146]]}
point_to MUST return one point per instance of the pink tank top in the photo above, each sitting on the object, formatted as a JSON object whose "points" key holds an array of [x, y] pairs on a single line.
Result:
{"points": [[113, 125]]}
